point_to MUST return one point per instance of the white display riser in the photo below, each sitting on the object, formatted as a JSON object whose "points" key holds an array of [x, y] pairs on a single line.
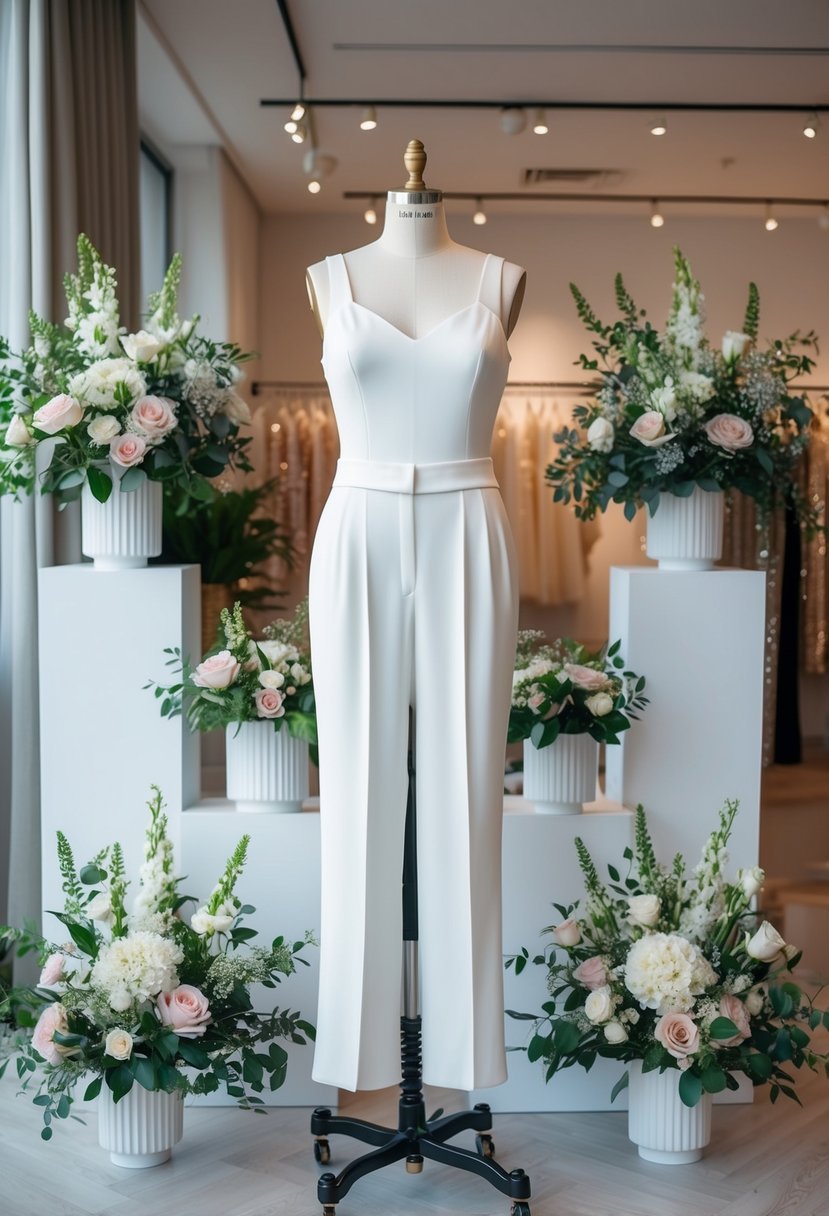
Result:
{"points": [[103, 741], [698, 638], [282, 881]]}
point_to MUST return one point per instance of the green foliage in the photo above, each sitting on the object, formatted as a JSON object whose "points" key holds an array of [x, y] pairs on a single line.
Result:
{"points": [[751, 321]]}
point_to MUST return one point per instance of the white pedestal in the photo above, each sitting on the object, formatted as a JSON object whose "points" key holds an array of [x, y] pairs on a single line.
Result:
{"points": [[698, 639], [282, 881], [540, 866], [103, 742]]}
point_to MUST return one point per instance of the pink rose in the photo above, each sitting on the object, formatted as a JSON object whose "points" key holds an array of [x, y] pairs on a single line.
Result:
{"points": [[732, 1007], [269, 703], [219, 671], [677, 1033], [60, 412], [649, 428], [729, 432], [568, 932], [52, 972], [52, 1019], [585, 677], [153, 416], [127, 450], [592, 973], [185, 1010]]}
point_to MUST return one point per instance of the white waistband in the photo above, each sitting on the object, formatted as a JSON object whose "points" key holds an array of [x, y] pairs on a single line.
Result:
{"points": [[416, 478]]}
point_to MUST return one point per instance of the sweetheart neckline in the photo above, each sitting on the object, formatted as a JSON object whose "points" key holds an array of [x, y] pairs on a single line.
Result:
{"points": [[407, 337]]}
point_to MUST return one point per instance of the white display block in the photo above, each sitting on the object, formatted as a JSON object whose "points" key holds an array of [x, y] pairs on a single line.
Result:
{"points": [[103, 741], [698, 638], [282, 881], [540, 868]]}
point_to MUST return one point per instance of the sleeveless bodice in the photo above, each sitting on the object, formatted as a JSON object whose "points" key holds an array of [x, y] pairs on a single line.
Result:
{"points": [[415, 400]]}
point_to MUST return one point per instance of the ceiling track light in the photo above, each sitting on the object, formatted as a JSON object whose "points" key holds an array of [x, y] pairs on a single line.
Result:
{"points": [[368, 118], [659, 126], [540, 126], [771, 222], [513, 120], [317, 165], [811, 126], [300, 134], [480, 215], [370, 213], [823, 219], [657, 218]]}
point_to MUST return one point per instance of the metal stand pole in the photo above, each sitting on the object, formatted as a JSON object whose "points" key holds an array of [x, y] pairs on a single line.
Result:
{"points": [[415, 1136]]}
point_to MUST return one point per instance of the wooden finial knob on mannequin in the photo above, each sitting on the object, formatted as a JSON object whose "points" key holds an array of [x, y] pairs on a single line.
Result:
{"points": [[415, 161]]}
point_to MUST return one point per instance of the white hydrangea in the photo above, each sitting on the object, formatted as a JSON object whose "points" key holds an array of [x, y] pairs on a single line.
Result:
{"points": [[96, 386], [665, 972], [136, 967]]}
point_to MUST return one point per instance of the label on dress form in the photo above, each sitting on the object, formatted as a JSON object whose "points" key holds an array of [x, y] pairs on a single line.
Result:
{"points": [[409, 214]]}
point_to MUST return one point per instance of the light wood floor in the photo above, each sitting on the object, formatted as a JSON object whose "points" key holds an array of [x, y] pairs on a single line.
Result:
{"points": [[763, 1161]]}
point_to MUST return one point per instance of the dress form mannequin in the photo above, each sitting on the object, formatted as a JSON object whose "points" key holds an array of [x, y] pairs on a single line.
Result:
{"points": [[414, 275]]}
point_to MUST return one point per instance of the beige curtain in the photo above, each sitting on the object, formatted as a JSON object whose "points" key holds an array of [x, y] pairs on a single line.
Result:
{"points": [[69, 155], [295, 439]]}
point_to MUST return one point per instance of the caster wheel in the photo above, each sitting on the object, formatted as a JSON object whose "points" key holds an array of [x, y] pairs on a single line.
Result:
{"points": [[328, 1210], [322, 1154], [414, 1164], [485, 1147], [520, 1209]]}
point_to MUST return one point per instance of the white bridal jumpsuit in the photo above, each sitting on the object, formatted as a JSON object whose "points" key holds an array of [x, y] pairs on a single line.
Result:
{"points": [[413, 601]]}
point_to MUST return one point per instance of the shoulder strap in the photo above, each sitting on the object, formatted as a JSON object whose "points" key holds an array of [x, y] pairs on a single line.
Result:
{"points": [[338, 280], [489, 290]]}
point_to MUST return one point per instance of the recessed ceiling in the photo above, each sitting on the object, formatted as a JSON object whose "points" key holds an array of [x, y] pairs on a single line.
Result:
{"points": [[204, 66]]}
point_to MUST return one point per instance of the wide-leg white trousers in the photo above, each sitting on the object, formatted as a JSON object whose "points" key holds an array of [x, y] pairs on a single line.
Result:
{"points": [[413, 601]]}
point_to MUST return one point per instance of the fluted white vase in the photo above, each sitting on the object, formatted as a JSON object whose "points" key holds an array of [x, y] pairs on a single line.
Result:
{"points": [[121, 533], [267, 770], [664, 1129], [686, 533], [141, 1128], [560, 778]]}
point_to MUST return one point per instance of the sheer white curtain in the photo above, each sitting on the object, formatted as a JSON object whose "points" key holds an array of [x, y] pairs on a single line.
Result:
{"points": [[69, 162]]}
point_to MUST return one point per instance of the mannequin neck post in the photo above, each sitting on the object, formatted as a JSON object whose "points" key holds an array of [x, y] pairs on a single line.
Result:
{"points": [[415, 224]]}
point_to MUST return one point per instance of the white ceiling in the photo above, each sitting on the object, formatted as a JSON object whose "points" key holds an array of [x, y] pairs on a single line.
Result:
{"points": [[204, 65]]}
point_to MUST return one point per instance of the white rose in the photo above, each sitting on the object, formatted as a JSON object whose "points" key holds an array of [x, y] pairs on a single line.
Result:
{"points": [[599, 704], [271, 679], [103, 428], [598, 1007], [18, 434], [615, 1032], [751, 880], [734, 345], [101, 908], [141, 347], [567, 933], [600, 435], [644, 910], [118, 1044], [664, 400], [755, 1000], [766, 943]]}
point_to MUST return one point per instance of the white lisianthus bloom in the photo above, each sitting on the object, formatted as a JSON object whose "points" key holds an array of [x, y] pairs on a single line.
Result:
{"points": [[664, 399], [142, 347], [615, 1033], [103, 428], [644, 910], [600, 704], [598, 1007], [100, 908], [118, 1044], [206, 923], [751, 880], [600, 435], [271, 679], [766, 943], [18, 434], [734, 345]]}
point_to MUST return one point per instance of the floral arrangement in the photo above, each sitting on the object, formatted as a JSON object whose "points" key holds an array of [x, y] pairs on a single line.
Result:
{"points": [[137, 996], [674, 971], [114, 406], [671, 413], [249, 680], [562, 688]]}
